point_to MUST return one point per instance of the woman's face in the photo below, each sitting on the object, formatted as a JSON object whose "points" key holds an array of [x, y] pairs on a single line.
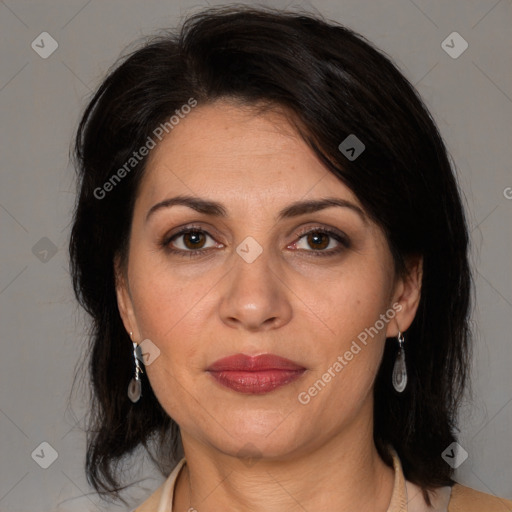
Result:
{"points": [[257, 283]]}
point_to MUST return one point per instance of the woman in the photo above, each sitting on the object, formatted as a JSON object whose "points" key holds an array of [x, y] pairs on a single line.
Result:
{"points": [[271, 244]]}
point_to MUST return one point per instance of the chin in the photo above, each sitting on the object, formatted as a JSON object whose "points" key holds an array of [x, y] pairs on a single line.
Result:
{"points": [[269, 435]]}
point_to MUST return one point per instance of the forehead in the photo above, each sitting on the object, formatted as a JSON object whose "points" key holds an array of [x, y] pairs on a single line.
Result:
{"points": [[229, 149]]}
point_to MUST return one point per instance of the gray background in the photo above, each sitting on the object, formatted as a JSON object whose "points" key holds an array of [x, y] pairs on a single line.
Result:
{"points": [[42, 331]]}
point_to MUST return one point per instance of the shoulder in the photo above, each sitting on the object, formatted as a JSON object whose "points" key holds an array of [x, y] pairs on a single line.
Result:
{"points": [[152, 503], [162, 497], [465, 499]]}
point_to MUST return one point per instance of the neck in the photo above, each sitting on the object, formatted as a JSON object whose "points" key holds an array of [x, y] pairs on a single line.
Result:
{"points": [[344, 474]]}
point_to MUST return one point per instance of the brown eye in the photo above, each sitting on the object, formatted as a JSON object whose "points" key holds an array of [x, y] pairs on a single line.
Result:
{"points": [[194, 239], [318, 240], [321, 242], [189, 242]]}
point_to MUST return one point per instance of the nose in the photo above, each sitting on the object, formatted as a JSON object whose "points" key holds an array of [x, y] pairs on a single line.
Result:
{"points": [[254, 297]]}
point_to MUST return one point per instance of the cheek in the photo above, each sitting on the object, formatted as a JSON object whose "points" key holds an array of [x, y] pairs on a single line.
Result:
{"points": [[167, 304], [169, 314], [341, 382], [351, 302], [352, 345], [165, 313]]}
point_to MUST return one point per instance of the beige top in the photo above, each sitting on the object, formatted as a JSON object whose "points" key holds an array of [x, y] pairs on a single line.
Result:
{"points": [[406, 496]]}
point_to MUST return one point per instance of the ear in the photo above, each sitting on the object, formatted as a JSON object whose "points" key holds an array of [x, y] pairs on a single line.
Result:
{"points": [[124, 299], [406, 296]]}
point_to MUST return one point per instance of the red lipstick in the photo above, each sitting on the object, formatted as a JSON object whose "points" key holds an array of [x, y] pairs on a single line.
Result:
{"points": [[255, 374]]}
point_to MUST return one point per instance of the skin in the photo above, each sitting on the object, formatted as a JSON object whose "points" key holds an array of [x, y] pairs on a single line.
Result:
{"points": [[287, 302]]}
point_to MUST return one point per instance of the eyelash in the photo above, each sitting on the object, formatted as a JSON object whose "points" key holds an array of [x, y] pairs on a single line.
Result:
{"points": [[339, 237]]}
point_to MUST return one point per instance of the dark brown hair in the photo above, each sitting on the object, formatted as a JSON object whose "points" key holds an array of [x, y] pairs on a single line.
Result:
{"points": [[335, 83]]}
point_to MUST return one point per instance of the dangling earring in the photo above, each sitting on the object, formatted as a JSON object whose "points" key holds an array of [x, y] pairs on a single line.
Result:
{"points": [[399, 377], [135, 387]]}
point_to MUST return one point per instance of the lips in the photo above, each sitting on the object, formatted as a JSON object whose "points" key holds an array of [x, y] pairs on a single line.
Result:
{"points": [[242, 362], [255, 374]]}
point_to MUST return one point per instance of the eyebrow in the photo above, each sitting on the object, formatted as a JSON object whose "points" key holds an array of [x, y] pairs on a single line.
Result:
{"points": [[295, 209]]}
